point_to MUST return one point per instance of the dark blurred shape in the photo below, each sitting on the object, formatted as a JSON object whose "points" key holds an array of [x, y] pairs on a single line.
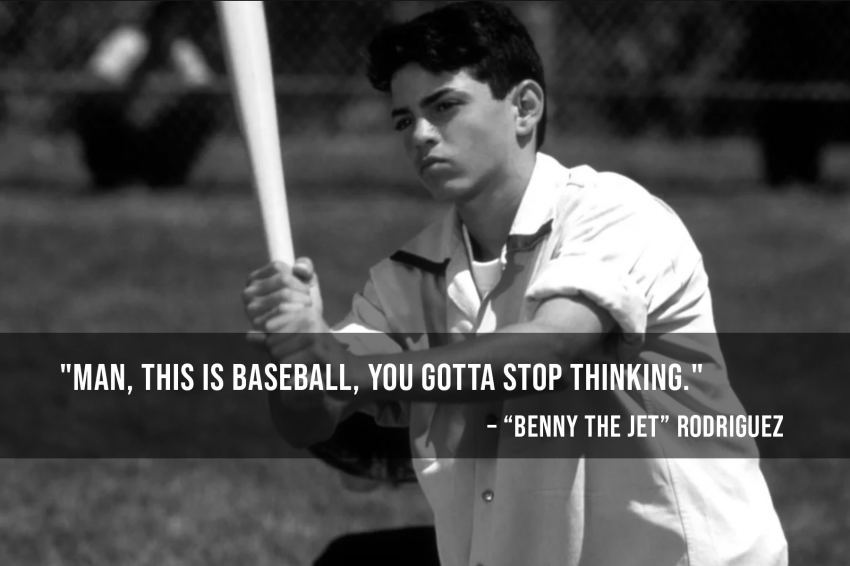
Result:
{"points": [[641, 70], [798, 43], [411, 546], [123, 139], [361, 448]]}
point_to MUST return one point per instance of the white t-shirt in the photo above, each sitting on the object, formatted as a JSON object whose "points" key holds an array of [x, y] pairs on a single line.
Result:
{"points": [[485, 273]]}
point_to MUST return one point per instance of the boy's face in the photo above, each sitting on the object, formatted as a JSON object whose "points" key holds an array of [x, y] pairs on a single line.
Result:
{"points": [[459, 139]]}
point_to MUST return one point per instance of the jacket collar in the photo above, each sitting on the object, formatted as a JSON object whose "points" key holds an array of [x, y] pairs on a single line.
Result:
{"points": [[433, 249]]}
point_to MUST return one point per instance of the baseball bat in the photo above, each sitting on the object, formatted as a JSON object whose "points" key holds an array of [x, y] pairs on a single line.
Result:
{"points": [[243, 26]]}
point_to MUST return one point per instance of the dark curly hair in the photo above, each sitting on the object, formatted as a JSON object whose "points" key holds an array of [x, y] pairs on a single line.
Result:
{"points": [[483, 38]]}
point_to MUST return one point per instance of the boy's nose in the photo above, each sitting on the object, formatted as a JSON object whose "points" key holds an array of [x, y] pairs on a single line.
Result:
{"points": [[424, 134]]}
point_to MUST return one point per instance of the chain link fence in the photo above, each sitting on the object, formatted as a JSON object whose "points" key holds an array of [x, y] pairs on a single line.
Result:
{"points": [[619, 69]]}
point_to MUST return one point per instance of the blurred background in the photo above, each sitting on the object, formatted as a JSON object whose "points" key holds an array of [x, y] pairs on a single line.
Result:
{"points": [[768, 81], [126, 206]]}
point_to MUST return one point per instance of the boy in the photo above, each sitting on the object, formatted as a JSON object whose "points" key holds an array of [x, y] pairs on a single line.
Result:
{"points": [[534, 263]]}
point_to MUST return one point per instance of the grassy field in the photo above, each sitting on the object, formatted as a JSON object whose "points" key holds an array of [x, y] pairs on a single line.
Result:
{"points": [[137, 262]]}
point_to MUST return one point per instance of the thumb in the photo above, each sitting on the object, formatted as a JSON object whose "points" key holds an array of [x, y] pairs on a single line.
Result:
{"points": [[303, 269]]}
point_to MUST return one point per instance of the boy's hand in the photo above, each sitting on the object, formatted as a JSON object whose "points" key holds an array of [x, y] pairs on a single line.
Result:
{"points": [[276, 289], [303, 337], [283, 306]]}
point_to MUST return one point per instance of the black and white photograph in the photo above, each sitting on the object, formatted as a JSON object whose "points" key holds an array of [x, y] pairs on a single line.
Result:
{"points": [[437, 283]]}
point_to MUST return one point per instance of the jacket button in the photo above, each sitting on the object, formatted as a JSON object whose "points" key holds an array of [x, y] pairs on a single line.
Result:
{"points": [[488, 495]]}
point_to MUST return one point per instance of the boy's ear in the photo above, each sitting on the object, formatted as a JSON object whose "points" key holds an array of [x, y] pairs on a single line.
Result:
{"points": [[529, 101]]}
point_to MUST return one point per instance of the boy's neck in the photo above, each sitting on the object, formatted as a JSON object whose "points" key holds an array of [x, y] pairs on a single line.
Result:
{"points": [[490, 215]]}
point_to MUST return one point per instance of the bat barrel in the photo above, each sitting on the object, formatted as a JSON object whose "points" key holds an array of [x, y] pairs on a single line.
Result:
{"points": [[245, 35]]}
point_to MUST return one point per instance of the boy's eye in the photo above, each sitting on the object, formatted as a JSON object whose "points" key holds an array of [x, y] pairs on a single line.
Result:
{"points": [[401, 124], [444, 105]]}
